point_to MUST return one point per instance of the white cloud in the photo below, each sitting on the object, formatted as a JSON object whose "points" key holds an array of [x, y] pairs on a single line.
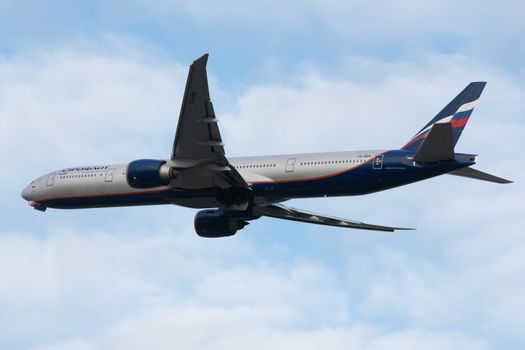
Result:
{"points": [[77, 105], [98, 291], [400, 16], [388, 28]]}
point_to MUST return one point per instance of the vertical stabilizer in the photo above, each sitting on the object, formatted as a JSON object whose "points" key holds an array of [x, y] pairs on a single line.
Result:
{"points": [[457, 113]]}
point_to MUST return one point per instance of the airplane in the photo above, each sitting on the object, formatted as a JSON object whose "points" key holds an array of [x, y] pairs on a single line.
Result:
{"points": [[233, 191]]}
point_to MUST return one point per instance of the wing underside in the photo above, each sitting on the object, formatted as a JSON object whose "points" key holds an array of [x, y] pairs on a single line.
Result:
{"points": [[197, 137], [198, 152], [280, 211]]}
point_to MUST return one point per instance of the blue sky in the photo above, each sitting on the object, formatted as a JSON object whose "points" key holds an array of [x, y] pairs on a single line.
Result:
{"points": [[99, 82]]}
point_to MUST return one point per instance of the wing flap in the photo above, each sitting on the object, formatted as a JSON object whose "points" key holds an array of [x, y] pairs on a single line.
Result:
{"points": [[280, 211]]}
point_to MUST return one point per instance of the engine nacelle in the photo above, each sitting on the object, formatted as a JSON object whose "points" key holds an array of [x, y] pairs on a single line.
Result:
{"points": [[148, 173], [213, 223]]}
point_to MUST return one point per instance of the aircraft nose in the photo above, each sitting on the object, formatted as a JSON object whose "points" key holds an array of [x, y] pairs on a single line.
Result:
{"points": [[26, 193]]}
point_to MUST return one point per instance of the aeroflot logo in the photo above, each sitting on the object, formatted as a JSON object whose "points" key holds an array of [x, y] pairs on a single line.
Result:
{"points": [[86, 168]]}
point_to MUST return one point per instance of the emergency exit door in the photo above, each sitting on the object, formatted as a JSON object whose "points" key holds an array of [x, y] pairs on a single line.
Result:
{"points": [[109, 175], [290, 165]]}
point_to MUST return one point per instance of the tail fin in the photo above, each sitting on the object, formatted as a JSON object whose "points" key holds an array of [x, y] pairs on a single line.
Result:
{"points": [[457, 113]]}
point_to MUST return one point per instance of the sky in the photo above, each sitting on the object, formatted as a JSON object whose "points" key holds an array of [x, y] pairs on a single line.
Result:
{"points": [[84, 83]]}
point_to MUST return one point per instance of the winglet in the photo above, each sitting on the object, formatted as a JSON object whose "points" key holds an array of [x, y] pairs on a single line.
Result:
{"points": [[203, 59]]}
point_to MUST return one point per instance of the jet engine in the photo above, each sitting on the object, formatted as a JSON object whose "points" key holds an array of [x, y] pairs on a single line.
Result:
{"points": [[213, 223], [148, 173]]}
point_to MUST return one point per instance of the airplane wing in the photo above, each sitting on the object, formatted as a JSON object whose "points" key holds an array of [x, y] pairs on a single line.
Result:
{"points": [[197, 138], [198, 152], [280, 211]]}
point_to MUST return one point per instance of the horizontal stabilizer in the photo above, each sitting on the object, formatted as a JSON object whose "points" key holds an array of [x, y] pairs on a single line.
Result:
{"points": [[280, 211], [437, 146], [479, 175]]}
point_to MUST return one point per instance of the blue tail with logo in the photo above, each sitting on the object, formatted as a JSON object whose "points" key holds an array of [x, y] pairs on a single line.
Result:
{"points": [[456, 113]]}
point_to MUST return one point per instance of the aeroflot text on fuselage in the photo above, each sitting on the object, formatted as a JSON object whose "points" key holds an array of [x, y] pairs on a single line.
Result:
{"points": [[104, 167]]}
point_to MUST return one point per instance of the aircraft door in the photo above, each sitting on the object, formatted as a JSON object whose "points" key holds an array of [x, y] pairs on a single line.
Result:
{"points": [[50, 180], [378, 163], [290, 165], [109, 175]]}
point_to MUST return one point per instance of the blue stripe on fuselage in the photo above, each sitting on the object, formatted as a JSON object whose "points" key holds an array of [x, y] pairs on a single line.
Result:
{"points": [[397, 170]]}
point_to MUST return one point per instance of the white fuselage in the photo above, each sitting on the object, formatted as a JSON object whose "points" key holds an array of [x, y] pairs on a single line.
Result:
{"points": [[111, 179]]}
